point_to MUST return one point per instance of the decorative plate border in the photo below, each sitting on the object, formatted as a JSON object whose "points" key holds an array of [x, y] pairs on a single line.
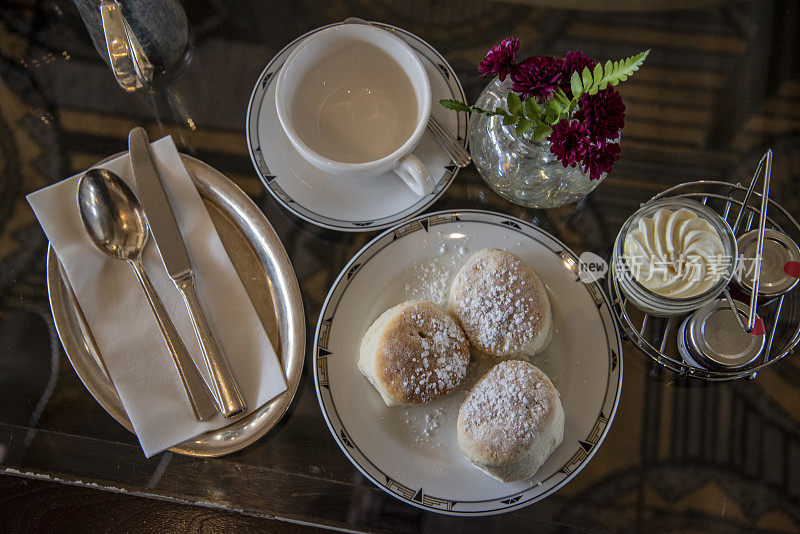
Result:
{"points": [[421, 47], [584, 449]]}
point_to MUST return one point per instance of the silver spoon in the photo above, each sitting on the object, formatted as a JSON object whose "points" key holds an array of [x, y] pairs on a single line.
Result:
{"points": [[115, 221]]}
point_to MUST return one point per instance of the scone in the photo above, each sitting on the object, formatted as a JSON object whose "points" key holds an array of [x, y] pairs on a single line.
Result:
{"points": [[414, 353], [501, 304], [511, 421]]}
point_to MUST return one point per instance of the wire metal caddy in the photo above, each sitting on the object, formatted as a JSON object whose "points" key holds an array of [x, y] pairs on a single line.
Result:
{"points": [[657, 336]]}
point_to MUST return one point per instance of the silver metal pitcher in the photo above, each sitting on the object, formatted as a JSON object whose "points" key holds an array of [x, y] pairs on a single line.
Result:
{"points": [[137, 38]]}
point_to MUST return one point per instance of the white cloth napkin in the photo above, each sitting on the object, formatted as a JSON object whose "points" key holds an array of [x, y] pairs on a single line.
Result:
{"points": [[123, 325]]}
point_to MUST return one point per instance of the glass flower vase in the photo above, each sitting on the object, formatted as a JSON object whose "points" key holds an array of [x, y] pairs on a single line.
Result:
{"points": [[516, 167]]}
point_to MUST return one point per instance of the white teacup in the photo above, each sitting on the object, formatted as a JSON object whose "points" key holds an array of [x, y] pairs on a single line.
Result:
{"points": [[355, 100]]}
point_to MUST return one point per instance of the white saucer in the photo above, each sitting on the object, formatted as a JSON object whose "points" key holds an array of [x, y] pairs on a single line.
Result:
{"points": [[412, 452], [343, 204]]}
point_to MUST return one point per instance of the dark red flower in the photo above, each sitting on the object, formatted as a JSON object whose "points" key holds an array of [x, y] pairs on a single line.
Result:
{"points": [[603, 113], [500, 59], [574, 61], [537, 76], [569, 142], [600, 157]]}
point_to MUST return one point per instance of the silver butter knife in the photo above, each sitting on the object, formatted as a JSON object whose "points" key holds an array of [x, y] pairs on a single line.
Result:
{"points": [[168, 238]]}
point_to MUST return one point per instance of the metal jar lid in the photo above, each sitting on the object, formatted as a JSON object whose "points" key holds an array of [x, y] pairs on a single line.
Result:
{"points": [[683, 350], [779, 249], [712, 338]]}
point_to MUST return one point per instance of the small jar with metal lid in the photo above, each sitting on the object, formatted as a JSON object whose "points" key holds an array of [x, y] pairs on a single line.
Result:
{"points": [[711, 338], [779, 250]]}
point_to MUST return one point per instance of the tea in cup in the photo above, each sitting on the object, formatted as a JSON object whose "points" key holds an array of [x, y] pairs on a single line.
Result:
{"points": [[355, 100]]}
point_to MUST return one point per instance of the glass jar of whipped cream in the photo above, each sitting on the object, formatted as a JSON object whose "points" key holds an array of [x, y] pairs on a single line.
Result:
{"points": [[674, 256]]}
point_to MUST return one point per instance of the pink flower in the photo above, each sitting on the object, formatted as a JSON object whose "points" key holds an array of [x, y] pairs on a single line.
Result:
{"points": [[537, 76], [500, 59], [569, 142], [603, 113], [600, 157]]}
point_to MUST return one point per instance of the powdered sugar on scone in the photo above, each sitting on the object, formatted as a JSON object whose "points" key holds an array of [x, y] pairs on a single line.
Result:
{"points": [[499, 301], [506, 410], [423, 355]]}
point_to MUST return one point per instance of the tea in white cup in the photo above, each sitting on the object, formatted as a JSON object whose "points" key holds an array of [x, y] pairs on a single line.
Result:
{"points": [[354, 100]]}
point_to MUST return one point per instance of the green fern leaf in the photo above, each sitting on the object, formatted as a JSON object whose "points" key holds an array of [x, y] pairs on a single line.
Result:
{"points": [[575, 85], [597, 76], [587, 79], [619, 72]]}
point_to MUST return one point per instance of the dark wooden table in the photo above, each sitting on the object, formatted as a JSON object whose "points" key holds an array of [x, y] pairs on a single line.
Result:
{"points": [[720, 86], [28, 505]]}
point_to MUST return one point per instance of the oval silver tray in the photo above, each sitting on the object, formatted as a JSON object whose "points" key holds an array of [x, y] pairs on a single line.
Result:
{"points": [[269, 279]]}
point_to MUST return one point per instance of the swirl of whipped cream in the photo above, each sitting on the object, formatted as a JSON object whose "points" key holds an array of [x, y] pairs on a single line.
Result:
{"points": [[675, 253]]}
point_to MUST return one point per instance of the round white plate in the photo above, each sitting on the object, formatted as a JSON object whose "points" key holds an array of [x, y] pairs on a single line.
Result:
{"points": [[346, 204], [412, 453]]}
